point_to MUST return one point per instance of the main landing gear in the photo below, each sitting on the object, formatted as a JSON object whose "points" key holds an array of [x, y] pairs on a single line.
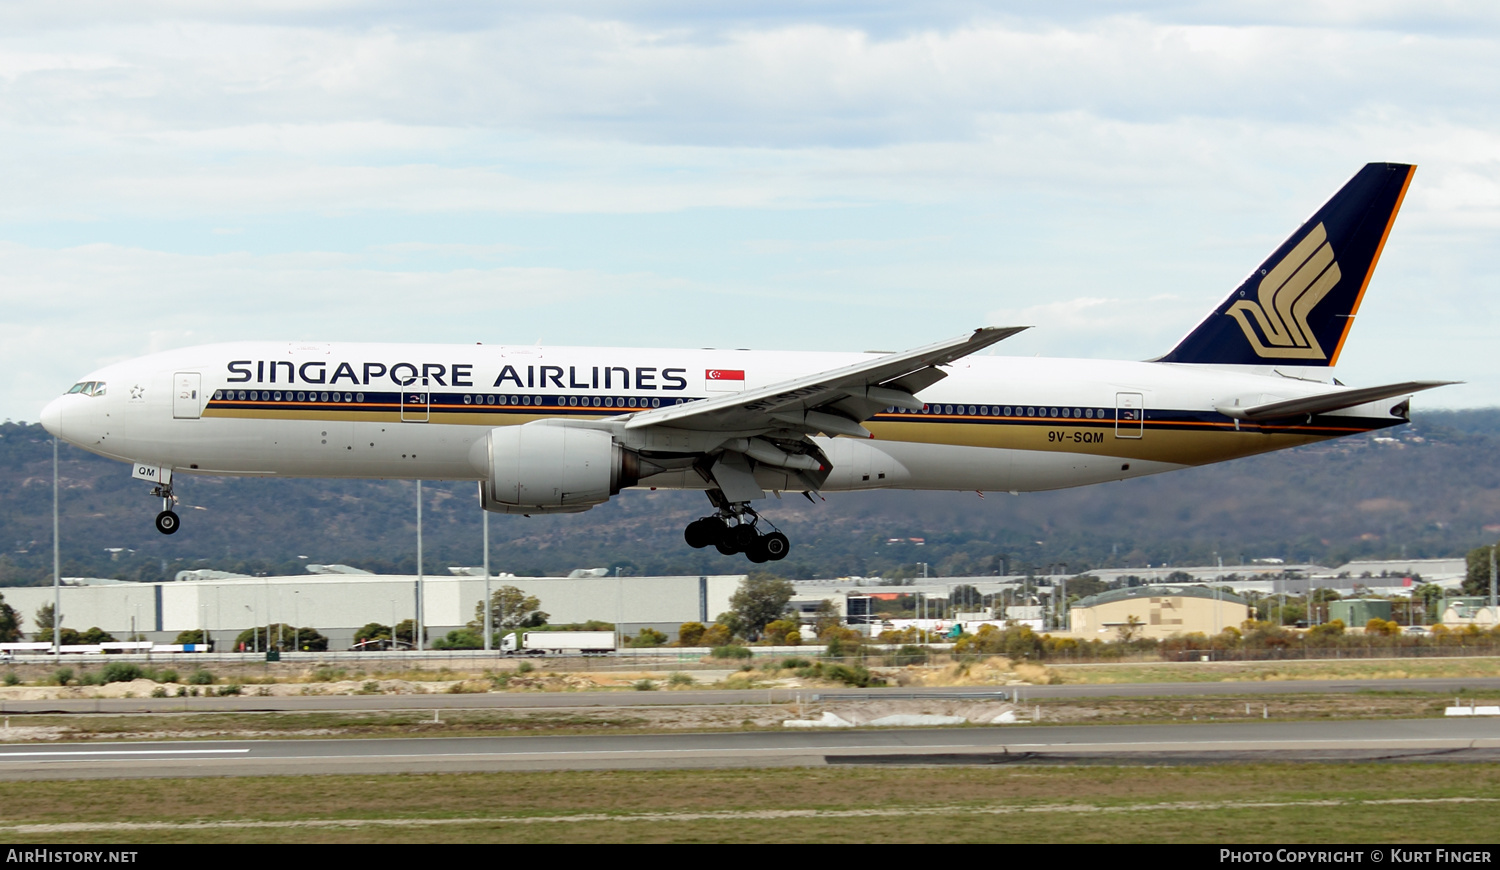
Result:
{"points": [[733, 530], [167, 521]]}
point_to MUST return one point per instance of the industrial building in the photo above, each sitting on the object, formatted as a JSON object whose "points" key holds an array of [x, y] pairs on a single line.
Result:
{"points": [[338, 601], [1469, 610], [1157, 612], [339, 604]]}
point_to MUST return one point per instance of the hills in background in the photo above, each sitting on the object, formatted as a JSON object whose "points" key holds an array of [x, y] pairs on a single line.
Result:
{"points": [[1426, 490]]}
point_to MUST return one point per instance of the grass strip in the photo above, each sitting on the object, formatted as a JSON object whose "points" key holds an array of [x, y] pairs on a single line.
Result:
{"points": [[1248, 803]]}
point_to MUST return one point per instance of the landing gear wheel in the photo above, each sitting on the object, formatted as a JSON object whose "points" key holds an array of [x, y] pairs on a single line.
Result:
{"points": [[743, 537], [167, 522], [737, 528], [775, 546], [704, 532]]}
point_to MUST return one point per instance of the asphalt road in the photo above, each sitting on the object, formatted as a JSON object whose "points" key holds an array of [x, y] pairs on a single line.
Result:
{"points": [[1392, 740], [536, 700]]}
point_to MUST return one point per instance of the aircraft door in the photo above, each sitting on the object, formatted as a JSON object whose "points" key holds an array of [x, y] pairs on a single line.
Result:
{"points": [[1130, 415], [187, 395], [416, 402]]}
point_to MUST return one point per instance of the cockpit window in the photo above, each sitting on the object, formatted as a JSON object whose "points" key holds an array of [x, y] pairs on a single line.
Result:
{"points": [[88, 388]]}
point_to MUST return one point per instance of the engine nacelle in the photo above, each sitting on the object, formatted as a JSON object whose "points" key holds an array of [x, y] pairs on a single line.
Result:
{"points": [[550, 467]]}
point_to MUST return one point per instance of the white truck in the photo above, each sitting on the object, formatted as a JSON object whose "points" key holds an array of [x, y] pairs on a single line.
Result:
{"points": [[559, 643]]}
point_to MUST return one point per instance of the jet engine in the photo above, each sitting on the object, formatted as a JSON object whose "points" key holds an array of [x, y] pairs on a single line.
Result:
{"points": [[550, 467]]}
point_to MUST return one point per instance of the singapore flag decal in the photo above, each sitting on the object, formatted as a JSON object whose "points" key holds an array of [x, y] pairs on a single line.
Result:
{"points": [[724, 380]]}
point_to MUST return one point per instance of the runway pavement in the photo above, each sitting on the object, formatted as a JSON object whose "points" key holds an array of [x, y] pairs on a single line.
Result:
{"points": [[535, 700], [1389, 740]]}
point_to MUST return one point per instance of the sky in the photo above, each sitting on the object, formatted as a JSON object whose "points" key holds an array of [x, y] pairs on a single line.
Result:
{"points": [[839, 176]]}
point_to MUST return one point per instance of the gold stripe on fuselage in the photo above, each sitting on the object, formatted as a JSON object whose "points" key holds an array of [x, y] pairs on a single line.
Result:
{"points": [[1182, 442], [1213, 443]]}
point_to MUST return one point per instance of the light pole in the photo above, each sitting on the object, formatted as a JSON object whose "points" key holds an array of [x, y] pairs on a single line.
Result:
{"points": [[487, 627], [1494, 612], [56, 564], [417, 629]]}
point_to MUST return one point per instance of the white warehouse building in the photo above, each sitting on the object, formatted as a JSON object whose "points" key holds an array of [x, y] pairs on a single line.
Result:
{"points": [[338, 605]]}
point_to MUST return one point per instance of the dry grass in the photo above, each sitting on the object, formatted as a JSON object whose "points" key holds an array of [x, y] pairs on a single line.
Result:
{"points": [[1320, 669], [1231, 804]]}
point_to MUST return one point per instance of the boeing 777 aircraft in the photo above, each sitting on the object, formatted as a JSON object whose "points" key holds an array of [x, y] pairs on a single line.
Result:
{"points": [[559, 430]]}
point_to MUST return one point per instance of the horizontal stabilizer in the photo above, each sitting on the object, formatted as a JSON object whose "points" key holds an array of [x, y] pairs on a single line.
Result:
{"points": [[1322, 404]]}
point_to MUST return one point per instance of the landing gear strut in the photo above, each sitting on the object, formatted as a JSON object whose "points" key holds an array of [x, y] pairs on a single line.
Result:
{"points": [[733, 529], [167, 521]]}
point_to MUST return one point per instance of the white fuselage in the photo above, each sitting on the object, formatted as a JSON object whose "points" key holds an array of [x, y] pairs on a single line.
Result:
{"points": [[416, 411]]}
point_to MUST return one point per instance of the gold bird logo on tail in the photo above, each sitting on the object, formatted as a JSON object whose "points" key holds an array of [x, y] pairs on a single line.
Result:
{"points": [[1288, 293]]}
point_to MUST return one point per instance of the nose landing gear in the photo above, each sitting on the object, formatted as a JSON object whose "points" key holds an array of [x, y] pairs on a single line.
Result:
{"points": [[733, 529], [167, 522]]}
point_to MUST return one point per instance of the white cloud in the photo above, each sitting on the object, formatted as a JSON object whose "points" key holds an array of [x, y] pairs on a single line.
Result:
{"points": [[658, 173]]}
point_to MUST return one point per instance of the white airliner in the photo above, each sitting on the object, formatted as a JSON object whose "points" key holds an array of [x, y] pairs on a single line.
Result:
{"points": [[555, 430]]}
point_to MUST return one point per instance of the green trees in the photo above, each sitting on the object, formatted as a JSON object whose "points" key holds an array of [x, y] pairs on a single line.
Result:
{"points": [[1431, 597], [509, 608], [1477, 581], [70, 636], [10, 622], [406, 629], [647, 637], [1014, 641], [280, 636], [690, 633], [715, 635], [372, 631], [967, 598], [783, 632], [826, 618], [43, 632], [44, 619], [761, 598], [1325, 633], [460, 638]]}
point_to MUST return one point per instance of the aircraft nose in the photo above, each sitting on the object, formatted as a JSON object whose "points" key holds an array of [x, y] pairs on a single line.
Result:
{"points": [[52, 417]]}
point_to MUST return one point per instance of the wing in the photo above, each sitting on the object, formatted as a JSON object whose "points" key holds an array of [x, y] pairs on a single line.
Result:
{"points": [[772, 426], [833, 402]]}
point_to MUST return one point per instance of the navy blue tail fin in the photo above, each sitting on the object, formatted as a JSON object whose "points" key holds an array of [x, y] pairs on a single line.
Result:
{"points": [[1297, 307]]}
